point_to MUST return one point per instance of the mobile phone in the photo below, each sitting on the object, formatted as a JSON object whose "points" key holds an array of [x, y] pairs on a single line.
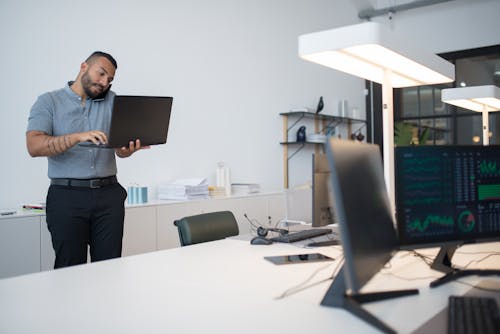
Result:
{"points": [[298, 258]]}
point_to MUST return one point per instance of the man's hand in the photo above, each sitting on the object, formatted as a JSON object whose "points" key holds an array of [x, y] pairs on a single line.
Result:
{"points": [[95, 136], [124, 152]]}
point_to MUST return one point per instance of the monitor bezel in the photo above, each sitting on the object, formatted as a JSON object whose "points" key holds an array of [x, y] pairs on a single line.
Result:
{"points": [[406, 243]]}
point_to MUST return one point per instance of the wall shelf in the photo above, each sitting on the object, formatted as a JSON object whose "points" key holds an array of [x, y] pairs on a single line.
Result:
{"points": [[322, 123]]}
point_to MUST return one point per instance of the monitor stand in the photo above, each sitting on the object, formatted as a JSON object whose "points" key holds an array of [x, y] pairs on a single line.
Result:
{"points": [[336, 296], [443, 263]]}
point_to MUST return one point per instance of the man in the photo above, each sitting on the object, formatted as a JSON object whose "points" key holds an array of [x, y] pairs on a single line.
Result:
{"points": [[85, 202]]}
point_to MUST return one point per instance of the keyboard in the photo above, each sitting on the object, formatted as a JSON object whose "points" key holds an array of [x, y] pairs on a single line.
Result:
{"points": [[302, 235], [333, 242], [91, 144], [473, 315]]}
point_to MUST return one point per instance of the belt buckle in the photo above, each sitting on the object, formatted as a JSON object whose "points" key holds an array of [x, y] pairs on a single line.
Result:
{"points": [[95, 183]]}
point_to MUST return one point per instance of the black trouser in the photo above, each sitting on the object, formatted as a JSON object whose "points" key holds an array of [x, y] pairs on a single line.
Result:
{"points": [[78, 217]]}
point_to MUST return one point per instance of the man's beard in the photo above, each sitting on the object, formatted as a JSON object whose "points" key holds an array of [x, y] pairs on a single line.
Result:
{"points": [[87, 85]]}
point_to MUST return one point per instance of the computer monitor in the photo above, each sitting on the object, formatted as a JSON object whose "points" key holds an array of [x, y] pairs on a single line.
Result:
{"points": [[447, 196], [367, 232], [322, 213], [311, 204]]}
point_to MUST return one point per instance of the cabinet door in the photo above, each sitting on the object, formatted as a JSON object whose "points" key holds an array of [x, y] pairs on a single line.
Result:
{"points": [[47, 252], [168, 236], [276, 208], [19, 246], [139, 234]]}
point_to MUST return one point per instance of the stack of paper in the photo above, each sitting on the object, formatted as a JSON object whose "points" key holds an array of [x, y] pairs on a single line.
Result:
{"points": [[245, 188], [217, 192], [301, 109], [182, 189]]}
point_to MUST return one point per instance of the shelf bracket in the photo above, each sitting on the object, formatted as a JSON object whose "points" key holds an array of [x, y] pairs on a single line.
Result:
{"points": [[295, 123], [296, 151]]}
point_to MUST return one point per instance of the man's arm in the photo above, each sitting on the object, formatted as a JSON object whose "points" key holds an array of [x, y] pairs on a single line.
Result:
{"points": [[40, 144]]}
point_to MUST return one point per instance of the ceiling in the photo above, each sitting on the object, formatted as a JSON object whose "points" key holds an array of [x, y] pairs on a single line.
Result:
{"points": [[489, 66], [370, 8]]}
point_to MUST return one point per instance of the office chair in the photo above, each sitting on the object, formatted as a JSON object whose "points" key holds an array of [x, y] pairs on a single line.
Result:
{"points": [[206, 227]]}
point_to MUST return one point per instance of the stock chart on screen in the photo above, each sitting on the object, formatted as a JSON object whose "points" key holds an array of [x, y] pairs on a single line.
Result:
{"points": [[447, 193]]}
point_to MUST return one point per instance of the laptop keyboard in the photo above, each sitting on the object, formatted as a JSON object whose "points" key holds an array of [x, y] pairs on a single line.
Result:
{"points": [[473, 315], [91, 144], [302, 235]]}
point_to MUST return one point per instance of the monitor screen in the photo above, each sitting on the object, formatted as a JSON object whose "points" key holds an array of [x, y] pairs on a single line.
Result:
{"points": [[362, 209], [447, 194], [322, 213]]}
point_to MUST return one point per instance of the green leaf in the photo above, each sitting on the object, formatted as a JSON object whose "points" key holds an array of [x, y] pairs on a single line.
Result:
{"points": [[403, 134], [424, 136]]}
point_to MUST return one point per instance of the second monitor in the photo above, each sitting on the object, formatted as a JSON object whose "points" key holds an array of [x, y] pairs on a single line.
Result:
{"points": [[322, 213], [311, 204]]}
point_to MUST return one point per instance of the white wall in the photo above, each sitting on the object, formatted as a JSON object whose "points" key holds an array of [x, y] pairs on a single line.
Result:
{"points": [[231, 66]]}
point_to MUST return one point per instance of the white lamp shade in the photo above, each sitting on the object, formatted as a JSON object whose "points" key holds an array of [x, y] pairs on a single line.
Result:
{"points": [[477, 98], [368, 49]]}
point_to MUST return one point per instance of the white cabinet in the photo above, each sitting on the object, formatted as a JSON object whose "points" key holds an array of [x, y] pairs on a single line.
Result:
{"points": [[168, 236], [26, 246], [47, 252], [19, 245], [276, 208], [139, 230]]}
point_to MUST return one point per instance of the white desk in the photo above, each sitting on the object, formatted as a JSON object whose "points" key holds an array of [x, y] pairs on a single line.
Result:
{"points": [[217, 287]]}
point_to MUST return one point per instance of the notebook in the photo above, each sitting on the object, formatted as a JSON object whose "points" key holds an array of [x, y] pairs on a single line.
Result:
{"points": [[138, 117]]}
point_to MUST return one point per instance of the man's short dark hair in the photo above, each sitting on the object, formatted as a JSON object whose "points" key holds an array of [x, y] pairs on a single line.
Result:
{"points": [[97, 54]]}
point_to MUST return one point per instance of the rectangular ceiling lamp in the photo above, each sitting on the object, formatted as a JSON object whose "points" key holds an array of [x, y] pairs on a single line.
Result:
{"points": [[477, 98], [369, 49]]}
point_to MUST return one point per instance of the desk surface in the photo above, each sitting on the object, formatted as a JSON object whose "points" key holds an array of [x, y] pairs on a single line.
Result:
{"points": [[217, 287]]}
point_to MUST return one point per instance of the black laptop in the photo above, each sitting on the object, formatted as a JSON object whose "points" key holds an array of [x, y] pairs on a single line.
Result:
{"points": [[138, 117]]}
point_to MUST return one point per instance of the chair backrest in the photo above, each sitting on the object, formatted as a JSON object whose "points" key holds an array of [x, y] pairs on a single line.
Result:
{"points": [[206, 227]]}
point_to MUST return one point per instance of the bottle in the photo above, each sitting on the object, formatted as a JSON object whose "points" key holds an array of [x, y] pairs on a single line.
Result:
{"points": [[227, 181], [343, 112], [220, 178], [223, 175]]}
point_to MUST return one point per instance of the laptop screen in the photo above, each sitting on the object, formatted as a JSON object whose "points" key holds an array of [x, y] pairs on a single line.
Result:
{"points": [[140, 117]]}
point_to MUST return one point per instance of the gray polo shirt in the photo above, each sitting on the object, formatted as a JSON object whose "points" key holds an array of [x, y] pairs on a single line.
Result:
{"points": [[61, 112]]}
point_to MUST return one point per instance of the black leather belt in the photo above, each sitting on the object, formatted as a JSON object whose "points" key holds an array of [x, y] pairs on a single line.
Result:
{"points": [[88, 183]]}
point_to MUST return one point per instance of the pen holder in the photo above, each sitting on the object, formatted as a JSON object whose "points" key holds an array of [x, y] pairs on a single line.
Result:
{"points": [[137, 195]]}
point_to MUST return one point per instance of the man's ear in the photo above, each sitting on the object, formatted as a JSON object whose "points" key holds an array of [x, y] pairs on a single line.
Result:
{"points": [[83, 67]]}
